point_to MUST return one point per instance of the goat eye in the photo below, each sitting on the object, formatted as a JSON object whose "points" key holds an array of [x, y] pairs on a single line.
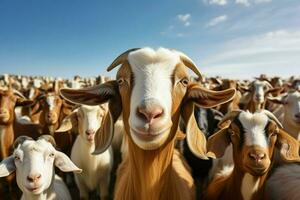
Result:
{"points": [[17, 158], [184, 81], [51, 155], [120, 81]]}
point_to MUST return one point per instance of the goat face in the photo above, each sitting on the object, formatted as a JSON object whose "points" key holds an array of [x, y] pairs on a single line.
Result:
{"points": [[9, 99], [89, 121], [254, 137], [152, 90], [260, 89], [51, 103], [34, 164]]}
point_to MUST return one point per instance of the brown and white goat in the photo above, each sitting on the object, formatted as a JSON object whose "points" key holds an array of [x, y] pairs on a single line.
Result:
{"points": [[255, 98], [151, 92], [254, 137]]}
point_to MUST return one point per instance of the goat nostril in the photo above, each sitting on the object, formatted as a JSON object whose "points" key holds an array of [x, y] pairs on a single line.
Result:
{"points": [[29, 179], [150, 114], [257, 157], [89, 132], [34, 178]]}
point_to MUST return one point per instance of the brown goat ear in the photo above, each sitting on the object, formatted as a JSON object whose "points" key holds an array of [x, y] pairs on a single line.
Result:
{"points": [[105, 133], [279, 99], [217, 143], [195, 138], [24, 102], [274, 91], [288, 146], [68, 122], [92, 96], [208, 98]]}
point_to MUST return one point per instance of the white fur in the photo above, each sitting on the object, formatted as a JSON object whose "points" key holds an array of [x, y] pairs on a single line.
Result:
{"points": [[254, 127], [96, 168], [50, 102], [259, 90], [34, 158], [249, 186], [152, 71]]}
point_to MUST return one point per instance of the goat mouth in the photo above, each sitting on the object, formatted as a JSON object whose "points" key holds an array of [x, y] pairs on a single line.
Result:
{"points": [[257, 171], [34, 189], [149, 135]]}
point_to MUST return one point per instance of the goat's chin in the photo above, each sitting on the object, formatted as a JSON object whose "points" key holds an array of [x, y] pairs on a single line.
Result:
{"points": [[257, 171], [149, 141]]}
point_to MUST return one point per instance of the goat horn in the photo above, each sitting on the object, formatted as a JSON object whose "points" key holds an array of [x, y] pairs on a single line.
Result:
{"points": [[189, 63], [229, 116], [20, 140], [16, 92], [120, 59], [272, 117], [48, 138]]}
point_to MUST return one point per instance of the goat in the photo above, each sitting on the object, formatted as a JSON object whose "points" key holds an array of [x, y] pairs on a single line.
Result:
{"points": [[151, 92], [289, 113], [96, 168], [254, 137], [34, 163], [255, 99], [284, 183]]}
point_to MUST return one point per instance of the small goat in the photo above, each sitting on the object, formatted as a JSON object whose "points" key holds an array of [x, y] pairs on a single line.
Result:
{"points": [[34, 163], [253, 138], [96, 168]]}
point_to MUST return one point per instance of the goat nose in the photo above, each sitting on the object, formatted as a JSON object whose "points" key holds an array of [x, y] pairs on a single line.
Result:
{"points": [[150, 114], [257, 156], [34, 177], [90, 132]]}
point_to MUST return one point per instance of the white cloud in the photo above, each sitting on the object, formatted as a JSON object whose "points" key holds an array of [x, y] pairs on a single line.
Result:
{"points": [[275, 51], [217, 20], [243, 2], [216, 2], [184, 18], [249, 2]]}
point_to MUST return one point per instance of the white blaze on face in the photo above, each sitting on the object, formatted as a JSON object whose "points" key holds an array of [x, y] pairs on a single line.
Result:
{"points": [[152, 80], [91, 119], [259, 91], [50, 102], [254, 127]]}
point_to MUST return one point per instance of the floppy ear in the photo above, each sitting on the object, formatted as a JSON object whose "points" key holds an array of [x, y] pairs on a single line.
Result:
{"points": [[278, 100], [288, 146], [195, 138], [91, 95], [68, 122], [209, 98], [217, 143], [64, 163], [274, 91], [24, 102], [105, 133], [7, 166]]}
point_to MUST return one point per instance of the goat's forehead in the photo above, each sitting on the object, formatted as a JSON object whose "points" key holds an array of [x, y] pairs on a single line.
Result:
{"points": [[254, 125], [37, 146], [149, 61], [86, 108]]}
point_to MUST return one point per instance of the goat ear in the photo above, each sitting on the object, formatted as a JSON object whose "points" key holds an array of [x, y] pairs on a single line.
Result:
{"points": [[24, 102], [217, 143], [278, 100], [208, 98], [7, 166], [195, 138], [288, 146], [274, 91], [92, 95], [64, 163], [105, 133], [68, 123]]}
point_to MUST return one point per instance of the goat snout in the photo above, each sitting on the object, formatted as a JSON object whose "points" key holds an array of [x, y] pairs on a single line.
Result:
{"points": [[90, 132], [257, 156], [150, 114], [3, 111], [33, 178]]}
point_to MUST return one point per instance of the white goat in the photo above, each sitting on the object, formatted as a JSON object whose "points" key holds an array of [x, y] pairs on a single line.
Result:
{"points": [[34, 163], [96, 168]]}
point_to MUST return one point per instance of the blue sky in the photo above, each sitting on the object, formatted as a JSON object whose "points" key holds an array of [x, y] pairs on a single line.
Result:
{"points": [[232, 38]]}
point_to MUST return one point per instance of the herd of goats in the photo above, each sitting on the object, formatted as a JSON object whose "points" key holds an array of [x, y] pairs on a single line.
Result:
{"points": [[155, 132]]}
